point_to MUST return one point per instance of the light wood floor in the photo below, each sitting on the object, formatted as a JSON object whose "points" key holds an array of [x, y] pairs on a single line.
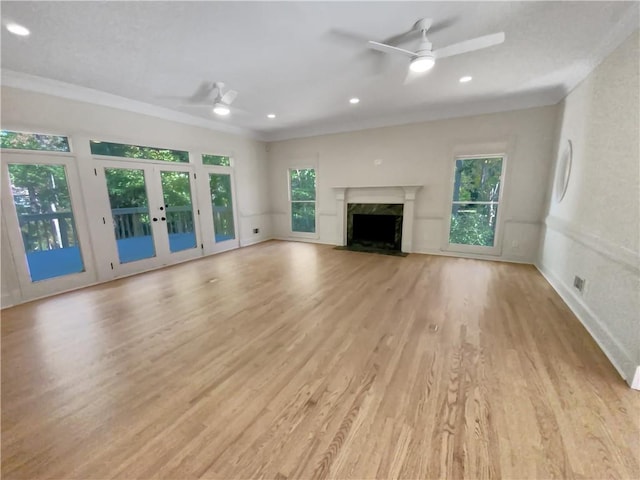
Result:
{"points": [[291, 360]]}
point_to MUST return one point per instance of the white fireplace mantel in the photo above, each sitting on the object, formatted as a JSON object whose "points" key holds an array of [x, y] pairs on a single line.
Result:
{"points": [[405, 194]]}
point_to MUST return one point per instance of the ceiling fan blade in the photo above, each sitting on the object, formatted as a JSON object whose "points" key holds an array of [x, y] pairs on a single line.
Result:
{"points": [[198, 105], [203, 92], [229, 97], [382, 47], [413, 33], [347, 38], [416, 32], [441, 25], [470, 45], [403, 37]]}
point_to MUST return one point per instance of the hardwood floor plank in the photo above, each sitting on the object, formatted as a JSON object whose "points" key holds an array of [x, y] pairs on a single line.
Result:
{"points": [[290, 360]]}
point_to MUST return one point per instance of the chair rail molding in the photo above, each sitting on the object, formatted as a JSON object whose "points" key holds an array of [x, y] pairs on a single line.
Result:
{"points": [[623, 256]]}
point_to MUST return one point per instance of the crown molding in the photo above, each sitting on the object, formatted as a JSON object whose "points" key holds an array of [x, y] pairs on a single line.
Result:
{"points": [[33, 83], [428, 114]]}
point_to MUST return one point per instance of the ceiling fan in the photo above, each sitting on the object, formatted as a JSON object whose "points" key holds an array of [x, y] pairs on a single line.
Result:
{"points": [[220, 103], [424, 58]]}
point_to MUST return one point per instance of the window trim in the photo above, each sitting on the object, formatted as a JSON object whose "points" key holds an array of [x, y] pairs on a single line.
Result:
{"points": [[496, 249], [293, 233]]}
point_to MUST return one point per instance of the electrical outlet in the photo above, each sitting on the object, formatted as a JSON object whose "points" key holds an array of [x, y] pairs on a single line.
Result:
{"points": [[256, 230], [579, 283]]}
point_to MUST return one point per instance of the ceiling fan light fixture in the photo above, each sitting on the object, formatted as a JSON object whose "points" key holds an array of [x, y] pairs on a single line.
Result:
{"points": [[221, 109], [422, 63]]}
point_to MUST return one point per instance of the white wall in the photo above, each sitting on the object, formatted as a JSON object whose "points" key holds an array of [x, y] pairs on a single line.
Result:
{"points": [[423, 154], [29, 111], [594, 231]]}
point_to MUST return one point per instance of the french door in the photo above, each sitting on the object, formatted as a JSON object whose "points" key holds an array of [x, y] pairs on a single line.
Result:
{"points": [[152, 219], [45, 223], [217, 207]]}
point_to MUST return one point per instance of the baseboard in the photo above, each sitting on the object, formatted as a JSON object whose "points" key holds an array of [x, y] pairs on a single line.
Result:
{"points": [[443, 253], [8, 301], [635, 384], [254, 241], [616, 354], [301, 239], [474, 256]]}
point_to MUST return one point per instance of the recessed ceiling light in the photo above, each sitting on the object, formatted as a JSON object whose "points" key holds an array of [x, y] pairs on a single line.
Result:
{"points": [[221, 109], [18, 29], [465, 79], [354, 100], [271, 115]]}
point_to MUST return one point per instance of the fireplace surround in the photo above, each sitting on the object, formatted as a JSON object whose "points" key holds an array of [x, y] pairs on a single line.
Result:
{"points": [[376, 226], [403, 195]]}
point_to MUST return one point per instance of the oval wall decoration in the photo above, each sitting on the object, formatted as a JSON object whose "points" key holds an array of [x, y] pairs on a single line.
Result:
{"points": [[563, 171]]}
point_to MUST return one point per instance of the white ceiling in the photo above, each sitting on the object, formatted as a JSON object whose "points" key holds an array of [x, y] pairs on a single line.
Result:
{"points": [[290, 58]]}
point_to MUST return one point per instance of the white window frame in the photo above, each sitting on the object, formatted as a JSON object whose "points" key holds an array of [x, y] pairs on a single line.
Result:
{"points": [[496, 249], [293, 233]]}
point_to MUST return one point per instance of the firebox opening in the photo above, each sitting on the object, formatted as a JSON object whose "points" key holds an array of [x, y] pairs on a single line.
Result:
{"points": [[375, 227]]}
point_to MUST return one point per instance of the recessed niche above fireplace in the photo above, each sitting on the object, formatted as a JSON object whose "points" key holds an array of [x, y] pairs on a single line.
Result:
{"points": [[374, 226]]}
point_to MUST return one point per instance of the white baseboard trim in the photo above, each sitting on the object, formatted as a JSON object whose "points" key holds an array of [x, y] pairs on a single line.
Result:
{"points": [[254, 241], [474, 256], [9, 301], [444, 253], [284, 238], [635, 384], [616, 354]]}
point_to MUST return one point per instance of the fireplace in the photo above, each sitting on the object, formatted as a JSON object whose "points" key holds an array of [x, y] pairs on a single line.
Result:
{"points": [[375, 226], [401, 197]]}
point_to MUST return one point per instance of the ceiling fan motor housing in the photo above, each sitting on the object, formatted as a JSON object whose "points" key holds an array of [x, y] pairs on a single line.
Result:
{"points": [[424, 49]]}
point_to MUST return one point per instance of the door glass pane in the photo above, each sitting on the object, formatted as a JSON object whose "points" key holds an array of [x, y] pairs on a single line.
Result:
{"points": [[43, 204], [130, 211], [220, 188], [176, 190], [473, 224], [303, 217]]}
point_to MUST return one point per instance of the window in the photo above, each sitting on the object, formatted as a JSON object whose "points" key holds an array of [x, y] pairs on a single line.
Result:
{"points": [[136, 151], [302, 195], [476, 194], [33, 141], [219, 160]]}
